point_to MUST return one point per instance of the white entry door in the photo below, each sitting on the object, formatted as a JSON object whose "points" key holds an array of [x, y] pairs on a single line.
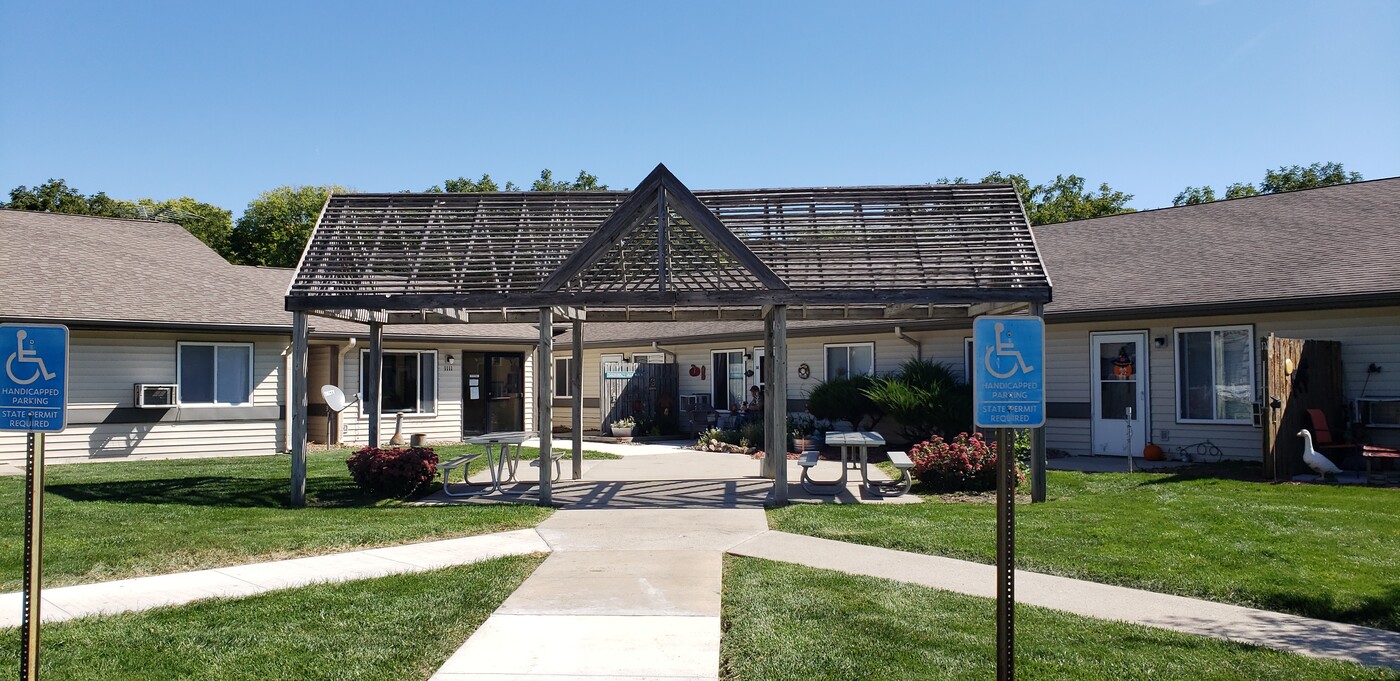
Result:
{"points": [[1120, 418]]}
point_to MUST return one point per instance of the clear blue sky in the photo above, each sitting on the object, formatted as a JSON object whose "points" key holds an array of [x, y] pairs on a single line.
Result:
{"points": [[220, 101]]}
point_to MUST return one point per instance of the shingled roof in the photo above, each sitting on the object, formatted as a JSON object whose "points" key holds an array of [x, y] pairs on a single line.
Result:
{"points": [[1307, 249], [888, 252], [107, 272]]}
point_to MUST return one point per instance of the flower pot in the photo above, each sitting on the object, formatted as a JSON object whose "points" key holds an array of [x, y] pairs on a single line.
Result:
{"points": [[619, 431], [806, 444]]}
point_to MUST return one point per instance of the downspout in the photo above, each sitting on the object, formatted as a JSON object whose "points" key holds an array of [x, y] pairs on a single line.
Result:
{"points": [[657, 348], [918, 347]]}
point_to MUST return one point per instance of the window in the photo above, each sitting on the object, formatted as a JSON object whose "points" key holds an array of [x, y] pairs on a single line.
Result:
{"points": [[760, 368], [649, 357], [408, 382], [851, 359], [967, 360], [215, 373], [1215, 374], [562, 371], [728, 387]]}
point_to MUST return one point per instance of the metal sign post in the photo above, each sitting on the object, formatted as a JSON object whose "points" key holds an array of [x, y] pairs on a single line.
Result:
{"points": [[33, 399], [1008, 391]]}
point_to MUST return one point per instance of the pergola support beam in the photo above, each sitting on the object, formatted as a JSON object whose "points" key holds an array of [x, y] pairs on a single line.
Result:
{"points": [[576, 393], [297, 402], [544, 402], [1038, 441], [775, 351], [373, 375]]}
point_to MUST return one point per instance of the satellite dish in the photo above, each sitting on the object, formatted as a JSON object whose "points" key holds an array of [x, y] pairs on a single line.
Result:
{"points": [[335, 398]]}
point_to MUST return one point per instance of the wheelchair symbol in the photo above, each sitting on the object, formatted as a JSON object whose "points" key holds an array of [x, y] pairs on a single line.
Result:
{"points": [[1004, 349], [23, 356]]}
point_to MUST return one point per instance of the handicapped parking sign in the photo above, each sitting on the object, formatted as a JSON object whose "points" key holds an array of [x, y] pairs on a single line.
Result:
{"points": [[34, 383], [1008, 374]]}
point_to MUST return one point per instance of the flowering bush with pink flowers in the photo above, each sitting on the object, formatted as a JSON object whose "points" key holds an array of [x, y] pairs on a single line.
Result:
{"points": [[966, 463], [396, 472]]}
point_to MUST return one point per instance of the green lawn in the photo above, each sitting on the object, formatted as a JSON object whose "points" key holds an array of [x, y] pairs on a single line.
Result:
{"points": [[1318, 550], [785, 621], [393, 628], [106, 521]]}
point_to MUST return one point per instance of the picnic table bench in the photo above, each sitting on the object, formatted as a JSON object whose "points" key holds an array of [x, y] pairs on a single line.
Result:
{"points": [[862, 442]]}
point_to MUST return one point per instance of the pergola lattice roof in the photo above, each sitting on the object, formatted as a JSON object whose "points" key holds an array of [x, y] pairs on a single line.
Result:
{"points": [[910, 252]]}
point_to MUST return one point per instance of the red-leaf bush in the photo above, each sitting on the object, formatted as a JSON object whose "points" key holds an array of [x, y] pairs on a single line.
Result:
{"points": [[967, 463], [396, 472]]}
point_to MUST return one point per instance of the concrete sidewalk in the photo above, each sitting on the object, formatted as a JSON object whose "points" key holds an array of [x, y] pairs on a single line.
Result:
{"points": [[626, 594], [1289, 633], [144, 593]]}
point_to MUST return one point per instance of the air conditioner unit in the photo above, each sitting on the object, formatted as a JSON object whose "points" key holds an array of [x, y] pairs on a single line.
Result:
{"points": [[154, 396]]}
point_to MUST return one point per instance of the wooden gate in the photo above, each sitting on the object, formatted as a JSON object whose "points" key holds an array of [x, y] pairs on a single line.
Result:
{"points": [[647, 392], [1298, 375]]}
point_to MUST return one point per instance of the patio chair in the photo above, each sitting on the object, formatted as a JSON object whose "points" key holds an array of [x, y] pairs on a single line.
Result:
{"points": [[1325, 443]]}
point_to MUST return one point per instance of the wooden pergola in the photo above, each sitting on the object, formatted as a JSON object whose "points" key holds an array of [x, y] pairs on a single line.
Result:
{"points": [[658, 253]]}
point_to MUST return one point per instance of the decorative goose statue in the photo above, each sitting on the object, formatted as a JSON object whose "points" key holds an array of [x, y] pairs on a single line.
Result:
{"points": [[1314, 460]]}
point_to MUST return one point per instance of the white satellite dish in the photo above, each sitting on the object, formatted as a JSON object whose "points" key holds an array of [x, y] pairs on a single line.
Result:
{"points": [[335, 398]]}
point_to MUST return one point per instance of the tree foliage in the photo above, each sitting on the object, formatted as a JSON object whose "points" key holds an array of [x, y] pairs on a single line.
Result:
{"points": [[1066, 198], [210, 223], [1281, 179], [585, 182], [465, 185], [274, 228]]}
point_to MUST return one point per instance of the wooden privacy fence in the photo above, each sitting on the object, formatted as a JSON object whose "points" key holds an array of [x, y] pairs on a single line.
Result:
{"points": [[647, 392], [1298, 375]]}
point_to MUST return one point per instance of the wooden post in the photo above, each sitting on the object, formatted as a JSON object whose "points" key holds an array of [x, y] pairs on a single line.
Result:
{"points": [[576, 391], [1038, 439], [375, 371], [775, 399], [296, 402], [544, 401], [766, 468]]}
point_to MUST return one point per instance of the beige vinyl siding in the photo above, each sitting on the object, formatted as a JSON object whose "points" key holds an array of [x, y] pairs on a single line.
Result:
{"points": [[446, 424], [1367, 335], [104, 367]]}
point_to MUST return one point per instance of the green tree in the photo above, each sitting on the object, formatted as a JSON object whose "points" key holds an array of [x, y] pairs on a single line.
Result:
{"points": [[274, 228], [209, 223], [55, 196], [585, 182], [462, 184], [1293, 178], [1282, 179], [1063, 200], [1191, 196]]}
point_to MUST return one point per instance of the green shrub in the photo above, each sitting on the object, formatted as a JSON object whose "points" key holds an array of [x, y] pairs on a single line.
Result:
{"points": [[844, 399], [926, 398], [751, 433]]}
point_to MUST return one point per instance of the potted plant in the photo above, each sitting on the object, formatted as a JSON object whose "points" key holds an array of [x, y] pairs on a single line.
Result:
{"points": [[803, 428], [622, 428]]}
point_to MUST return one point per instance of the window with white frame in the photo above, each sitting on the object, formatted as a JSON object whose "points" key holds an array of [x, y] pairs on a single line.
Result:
{"points": [[849, 359], [728, 388], [563, 369], [967, 360], [214, 373], [408, 381], [760, 368], [1215, 374]]}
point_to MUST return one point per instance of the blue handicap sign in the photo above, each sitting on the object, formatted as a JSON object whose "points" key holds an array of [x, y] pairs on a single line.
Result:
{"points": [[34, 384], [1008, 371]]}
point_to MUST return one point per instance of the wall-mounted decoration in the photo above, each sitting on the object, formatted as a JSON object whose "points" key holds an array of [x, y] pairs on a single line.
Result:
{"points": [[1123, 364], [694, 370], [804, 372]]}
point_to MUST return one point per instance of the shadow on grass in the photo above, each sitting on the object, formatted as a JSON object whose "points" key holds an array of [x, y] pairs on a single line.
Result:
{"points": [[1380, 611], [222, 491]]}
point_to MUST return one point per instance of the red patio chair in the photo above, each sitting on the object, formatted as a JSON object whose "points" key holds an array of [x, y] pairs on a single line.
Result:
{"points": [[1324, 442]]}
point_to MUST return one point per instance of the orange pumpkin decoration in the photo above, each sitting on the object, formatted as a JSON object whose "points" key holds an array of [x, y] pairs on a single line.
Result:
{"points": [[1153, 453]]}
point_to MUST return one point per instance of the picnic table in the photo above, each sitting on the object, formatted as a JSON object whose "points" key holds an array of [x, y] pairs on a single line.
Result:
{"points": [[501, 463], [851, 443]]}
